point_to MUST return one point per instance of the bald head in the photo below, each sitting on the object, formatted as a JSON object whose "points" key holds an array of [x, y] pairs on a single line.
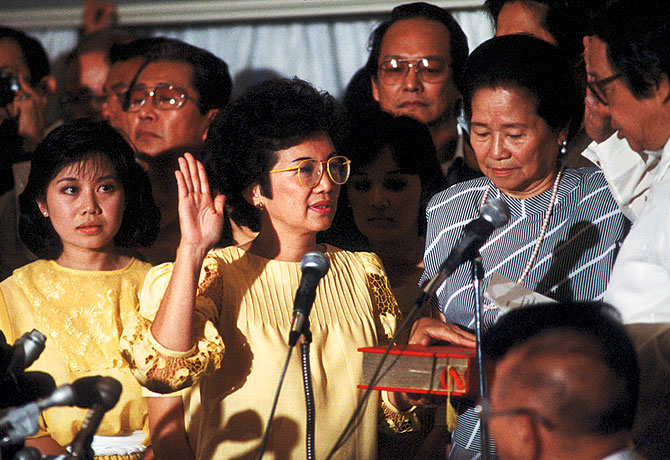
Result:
{"points": [[563, 375]]}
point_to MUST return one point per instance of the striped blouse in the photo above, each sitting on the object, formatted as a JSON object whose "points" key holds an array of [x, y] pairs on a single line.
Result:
{"points": [[574, 261]]}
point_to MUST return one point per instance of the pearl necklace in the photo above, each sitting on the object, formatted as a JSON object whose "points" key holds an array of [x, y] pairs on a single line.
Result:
{"points": [[545, 223]]}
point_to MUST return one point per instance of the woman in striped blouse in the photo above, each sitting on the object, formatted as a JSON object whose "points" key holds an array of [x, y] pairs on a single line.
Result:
{"points": [[565, 228]]}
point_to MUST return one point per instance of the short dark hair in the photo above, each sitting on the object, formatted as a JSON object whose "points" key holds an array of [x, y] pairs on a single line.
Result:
{"points": [[528, 63], [35, 57], [567, 21], [210, 79], [120, 52], [244, 137], [458, 41], [637, 36], [600, 324], [73, 142]]}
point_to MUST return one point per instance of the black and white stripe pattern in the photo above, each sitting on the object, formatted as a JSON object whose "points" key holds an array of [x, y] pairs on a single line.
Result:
{"points": [[574, 261]]}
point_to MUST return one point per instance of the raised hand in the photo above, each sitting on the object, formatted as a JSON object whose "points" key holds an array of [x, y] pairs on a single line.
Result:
{"points": [[201, 218]]}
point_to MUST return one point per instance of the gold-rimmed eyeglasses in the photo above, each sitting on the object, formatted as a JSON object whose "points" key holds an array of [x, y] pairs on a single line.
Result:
{"points": [[311, 170], [165, 97], [428, 70], [597, 87]]}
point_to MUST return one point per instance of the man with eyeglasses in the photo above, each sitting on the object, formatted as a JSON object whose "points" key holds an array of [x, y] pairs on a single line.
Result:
{"points": [[565, 384], [415, 66], [169, 106], [628, 114], [125, 59]]}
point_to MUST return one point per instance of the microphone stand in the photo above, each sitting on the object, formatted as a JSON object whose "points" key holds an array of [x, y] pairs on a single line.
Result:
{"points": [[477, 277], [309, 393]]}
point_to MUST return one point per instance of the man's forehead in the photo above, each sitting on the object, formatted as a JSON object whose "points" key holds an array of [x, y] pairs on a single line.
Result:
{"points": [[177, 73], [11, 55], [416, 37]]}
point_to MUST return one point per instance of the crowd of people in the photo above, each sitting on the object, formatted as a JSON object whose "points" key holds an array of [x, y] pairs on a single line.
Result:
{"points": [[157, 232]]}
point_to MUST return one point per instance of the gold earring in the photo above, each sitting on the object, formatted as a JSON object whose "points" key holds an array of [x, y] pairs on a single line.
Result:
{"points": [[260, 207], [46, 214]]}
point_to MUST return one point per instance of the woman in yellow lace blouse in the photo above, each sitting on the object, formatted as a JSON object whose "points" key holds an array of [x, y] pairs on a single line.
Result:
{"points": [[86, 202], [223, 316]]}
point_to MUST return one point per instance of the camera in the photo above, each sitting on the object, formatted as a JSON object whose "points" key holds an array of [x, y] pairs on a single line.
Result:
{"points": [[9, 86]]}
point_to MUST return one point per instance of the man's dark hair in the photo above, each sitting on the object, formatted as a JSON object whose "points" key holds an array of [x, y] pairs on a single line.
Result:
{"points": [[35, 57], [637, 36], [599, 323], [244, 137], [532, 65], [211, 78], [567, 21], [458, 42], [72, 143], [120, 52]]}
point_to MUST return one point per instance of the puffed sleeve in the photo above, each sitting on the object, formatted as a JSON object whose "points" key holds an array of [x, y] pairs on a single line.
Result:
{"points": [[382, 297], [162, 370]]}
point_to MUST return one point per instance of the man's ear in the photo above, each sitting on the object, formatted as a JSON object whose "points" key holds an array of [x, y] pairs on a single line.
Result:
{"points": [[210, 117], [529, 442], [664, 88], [375, 89], [47, 85]]}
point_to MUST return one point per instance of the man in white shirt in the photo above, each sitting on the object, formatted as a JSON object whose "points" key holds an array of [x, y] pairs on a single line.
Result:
{"points": [[628, 71], [628, 116]]}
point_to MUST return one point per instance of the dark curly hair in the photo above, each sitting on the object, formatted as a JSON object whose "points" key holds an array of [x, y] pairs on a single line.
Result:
{"points": [[458, 46], [74, 142], [244, 137], [535, 66]]}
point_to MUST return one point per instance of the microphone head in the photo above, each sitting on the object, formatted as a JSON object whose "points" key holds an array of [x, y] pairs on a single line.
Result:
{"points": [[496, 212], [315, 260], [96, 390]]}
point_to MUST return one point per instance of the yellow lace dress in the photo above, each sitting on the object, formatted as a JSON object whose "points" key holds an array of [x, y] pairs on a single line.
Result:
{"points": [[82, 314], [246, 302]]}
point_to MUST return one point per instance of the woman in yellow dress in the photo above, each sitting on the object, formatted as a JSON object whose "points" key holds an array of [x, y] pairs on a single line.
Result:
{"points": [[272, 153], [87, 203]]}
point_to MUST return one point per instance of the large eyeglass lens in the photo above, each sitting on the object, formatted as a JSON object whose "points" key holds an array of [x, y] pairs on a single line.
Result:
{"points": [[430, 70], [338, 169], [165, 98], [311, 170]]}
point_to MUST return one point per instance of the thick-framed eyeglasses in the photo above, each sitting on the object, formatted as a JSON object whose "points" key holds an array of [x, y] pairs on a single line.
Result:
{"points": [[484, 411], [428, 70], [597, 87], [311, 170], [165, 97]]}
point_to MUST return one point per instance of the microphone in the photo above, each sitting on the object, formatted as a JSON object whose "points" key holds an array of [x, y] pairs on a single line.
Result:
{"points": [[88, 392], [314, 266], [25, 351], [105, 396], [494, 214]]}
